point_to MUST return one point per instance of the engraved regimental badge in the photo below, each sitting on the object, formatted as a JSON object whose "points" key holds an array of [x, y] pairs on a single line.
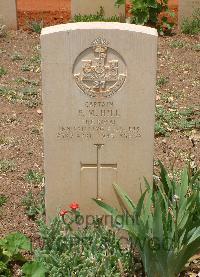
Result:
{"points": [[99, 71]]}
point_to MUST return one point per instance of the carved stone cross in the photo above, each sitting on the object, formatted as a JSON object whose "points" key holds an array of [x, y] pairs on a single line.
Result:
{"points": [[98, 166]]}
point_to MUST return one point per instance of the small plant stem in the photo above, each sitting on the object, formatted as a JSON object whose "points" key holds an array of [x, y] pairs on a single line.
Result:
{"points": [[176, 226]]}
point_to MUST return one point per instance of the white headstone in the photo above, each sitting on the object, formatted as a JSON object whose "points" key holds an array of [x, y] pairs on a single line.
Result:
{"points": [[99, 97], [86, 7], [187, 8], [8, 13]]}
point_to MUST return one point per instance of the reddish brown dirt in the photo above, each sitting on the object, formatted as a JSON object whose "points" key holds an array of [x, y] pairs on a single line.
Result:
{"points": [[58, 5], [53, 12], [44, 5], [50, 12], [48, 18]]}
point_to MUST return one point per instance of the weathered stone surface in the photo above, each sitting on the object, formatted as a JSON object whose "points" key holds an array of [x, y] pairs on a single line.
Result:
{"points": [[98, 94], [187, 8], [8, 13], [85, 7]]}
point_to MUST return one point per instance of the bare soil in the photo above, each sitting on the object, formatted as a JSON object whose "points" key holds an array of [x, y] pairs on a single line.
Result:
{"points": [[21, 141], [54, 12], [50, 12]]}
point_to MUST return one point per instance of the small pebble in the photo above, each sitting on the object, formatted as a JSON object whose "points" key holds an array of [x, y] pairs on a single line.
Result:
{"points": [[39, 111]]}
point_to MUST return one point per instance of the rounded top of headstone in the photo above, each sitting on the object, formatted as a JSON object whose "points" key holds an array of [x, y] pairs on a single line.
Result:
{"points": [[99, 25]]}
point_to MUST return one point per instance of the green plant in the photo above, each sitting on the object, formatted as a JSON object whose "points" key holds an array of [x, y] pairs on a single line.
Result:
{"points": [[27, 95], [150, 12], [32, 103], [11, 248], [16, 57], [8, 93], [26, 67], [191, 26], [34, 205], [23, 80], [36, 26], [3, 31], [93, 250], [34, 177], [7, 141], [34, 269], [35, 130], [164, 225], [196, 47], [36, 59], [168, 120], [162, 81], [3, 71], [99, 16], [33, 65], [177, 44], [27, 92], [6, 166], [3, 200]]}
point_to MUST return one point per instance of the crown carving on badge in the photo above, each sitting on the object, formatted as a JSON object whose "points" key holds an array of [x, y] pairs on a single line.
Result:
{"points": [[100, 42], [100, 45]]}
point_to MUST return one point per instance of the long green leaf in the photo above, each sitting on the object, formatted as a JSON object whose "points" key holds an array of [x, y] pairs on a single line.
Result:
{"points": [[149, 203], [107, 208], [195, 234], [124, 199], [196, 175], [186, 253], [184, 184], [165, 179], [140, 205], [157, 222]]}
